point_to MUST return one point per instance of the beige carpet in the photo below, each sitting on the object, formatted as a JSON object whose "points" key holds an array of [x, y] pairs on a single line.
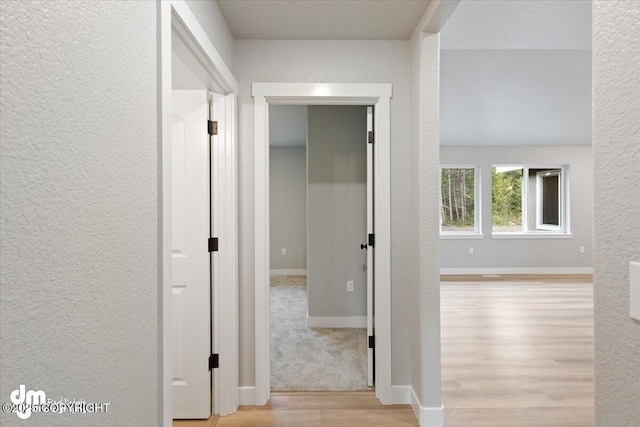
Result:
{"points": [[311, 359]]}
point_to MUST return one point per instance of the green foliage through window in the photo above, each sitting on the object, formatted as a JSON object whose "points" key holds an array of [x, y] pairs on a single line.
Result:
{"points": [[506, 198]]}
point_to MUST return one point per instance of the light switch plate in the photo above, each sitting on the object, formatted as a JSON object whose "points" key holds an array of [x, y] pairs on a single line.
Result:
{"points": [[634, 289]]}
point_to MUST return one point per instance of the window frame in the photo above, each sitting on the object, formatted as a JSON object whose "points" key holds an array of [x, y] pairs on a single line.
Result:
{"points": [[540, 225], [477, 204], [544, 231]]}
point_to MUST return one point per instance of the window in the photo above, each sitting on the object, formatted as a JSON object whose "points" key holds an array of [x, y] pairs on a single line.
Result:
{"points": [[459, 197], [549, 200], [529, 199]]}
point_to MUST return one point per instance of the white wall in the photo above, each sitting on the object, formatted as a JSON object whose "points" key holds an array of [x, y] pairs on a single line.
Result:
{"points": [[288, 207], [208, 14], [335, 62], [525, 253], [616, 144], [288, 125], [423, 242], [79, 218], [515, 97], [337, 210]]}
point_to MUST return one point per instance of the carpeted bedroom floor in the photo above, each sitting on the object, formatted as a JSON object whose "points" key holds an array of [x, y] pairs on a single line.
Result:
{"points": [[311, 359]]}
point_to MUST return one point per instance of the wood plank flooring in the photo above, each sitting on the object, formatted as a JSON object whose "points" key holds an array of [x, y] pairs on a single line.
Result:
{"points": [[516, 352], [315, 409]]}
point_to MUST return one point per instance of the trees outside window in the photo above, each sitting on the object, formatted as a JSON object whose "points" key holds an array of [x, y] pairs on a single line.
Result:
{"points": [[507, 198], [458, 198], [529, 199]]}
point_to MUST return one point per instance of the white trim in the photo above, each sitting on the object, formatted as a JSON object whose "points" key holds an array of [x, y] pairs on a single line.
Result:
{"points": [[540, 176], [203, 47], [336, 322], [329, 94], [175, 18], [165, 368], [289, 272], [225, 261], [460, 236], [247, 396], [532, 270], [531, 235], [427, 416], [401, 394]]}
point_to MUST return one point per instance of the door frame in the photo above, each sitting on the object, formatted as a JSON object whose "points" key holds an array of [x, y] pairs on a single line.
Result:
{"points": [[378, 95], [178, 24]]}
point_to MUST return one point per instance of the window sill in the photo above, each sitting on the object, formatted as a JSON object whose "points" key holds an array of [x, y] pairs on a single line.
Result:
{"points": [[532, 235], [455, 236]]}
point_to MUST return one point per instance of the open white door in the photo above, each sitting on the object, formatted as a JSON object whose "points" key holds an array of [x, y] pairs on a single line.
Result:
{"points": [[370, 250], [191, 295]]}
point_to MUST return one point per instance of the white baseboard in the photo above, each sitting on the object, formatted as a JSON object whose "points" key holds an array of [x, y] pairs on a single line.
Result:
{"points": [[534, 270], [247, 396], [289, 272], [427, 416], [337, 322], [400, 394]]}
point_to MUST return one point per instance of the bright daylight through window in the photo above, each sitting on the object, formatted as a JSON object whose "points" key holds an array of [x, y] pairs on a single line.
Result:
{"points": [[527, 199], [458, 200]]}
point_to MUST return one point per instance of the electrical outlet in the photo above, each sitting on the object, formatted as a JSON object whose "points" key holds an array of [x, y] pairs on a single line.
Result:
{"points": [[350, 286], [581, 249], [284, 251], [470, 250]]}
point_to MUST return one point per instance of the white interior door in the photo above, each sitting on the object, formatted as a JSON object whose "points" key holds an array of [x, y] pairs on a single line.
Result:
{"points": [[191, 295], [370, 250]]}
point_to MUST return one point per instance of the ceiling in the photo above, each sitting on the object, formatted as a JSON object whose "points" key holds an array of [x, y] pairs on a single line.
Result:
{"points": [[515, 97], [519, 24], [516, 73], [323, 19]]}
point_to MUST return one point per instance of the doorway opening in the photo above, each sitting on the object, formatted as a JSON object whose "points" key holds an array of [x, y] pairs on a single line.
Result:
{"points": [[376, 95], [197, 222], [318, 242]]}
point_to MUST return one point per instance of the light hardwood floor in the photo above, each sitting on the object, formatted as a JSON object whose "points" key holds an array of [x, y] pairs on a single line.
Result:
{"points": [[517, 351]]}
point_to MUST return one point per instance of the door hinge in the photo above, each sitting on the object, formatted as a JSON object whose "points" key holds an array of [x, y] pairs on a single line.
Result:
{"points": [[212, 127], [372, 341], [372, 240], [371, 137], [214, 362], [213, 244]]}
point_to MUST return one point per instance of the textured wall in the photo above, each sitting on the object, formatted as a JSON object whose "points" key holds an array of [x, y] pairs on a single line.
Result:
{"points": [[425, 256], [79, 223], [337, 210], [333, 62], [288, 207], [214, 25], [616, 144], [525, 253]]}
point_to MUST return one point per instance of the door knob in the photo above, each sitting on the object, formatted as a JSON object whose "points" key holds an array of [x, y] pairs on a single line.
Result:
{"points": [[363, 246]]}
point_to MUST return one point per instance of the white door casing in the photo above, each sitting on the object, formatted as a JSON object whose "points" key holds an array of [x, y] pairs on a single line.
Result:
{"points": [[181, 32], [367, 94], [191, 333], [370, 249]]}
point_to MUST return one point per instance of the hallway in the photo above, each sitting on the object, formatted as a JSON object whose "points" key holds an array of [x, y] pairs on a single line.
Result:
{"points": [[517, 351]]}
